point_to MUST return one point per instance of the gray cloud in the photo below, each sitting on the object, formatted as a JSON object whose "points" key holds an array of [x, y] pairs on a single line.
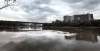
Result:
{"points": [[34, 9], [39, 10], [72, 1], [42, 1], [83, 4]]}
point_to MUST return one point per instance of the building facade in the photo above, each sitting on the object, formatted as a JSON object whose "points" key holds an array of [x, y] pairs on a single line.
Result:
{"points": [[68, 19], [81, 18]]}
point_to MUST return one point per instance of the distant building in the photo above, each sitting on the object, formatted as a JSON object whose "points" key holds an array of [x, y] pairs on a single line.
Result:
{"points": [[81, 18], [68, 19]]}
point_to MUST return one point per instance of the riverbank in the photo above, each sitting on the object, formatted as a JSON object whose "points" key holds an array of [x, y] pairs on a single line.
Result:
{"points": [[70, 27], [74, 29]]}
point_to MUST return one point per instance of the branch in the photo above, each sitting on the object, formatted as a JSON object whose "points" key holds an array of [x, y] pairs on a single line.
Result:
{"points": [[7, 4]]}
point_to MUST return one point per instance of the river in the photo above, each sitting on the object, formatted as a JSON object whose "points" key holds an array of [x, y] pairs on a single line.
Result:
{"points": [[50, 40]]}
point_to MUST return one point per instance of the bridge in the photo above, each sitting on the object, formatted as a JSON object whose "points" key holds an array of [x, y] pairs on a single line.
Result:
{"points": [[19, 24]]}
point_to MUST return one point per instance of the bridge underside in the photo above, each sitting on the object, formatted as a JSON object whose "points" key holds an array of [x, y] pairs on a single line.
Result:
{"points": [[15, 25]]}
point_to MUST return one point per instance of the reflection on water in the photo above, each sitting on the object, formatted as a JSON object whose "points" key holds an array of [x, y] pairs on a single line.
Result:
{"points": [[31, 28], [51, 40], [85, 36]]}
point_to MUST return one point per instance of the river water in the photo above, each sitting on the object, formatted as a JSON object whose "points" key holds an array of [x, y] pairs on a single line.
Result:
{"points": [[51, 40]]}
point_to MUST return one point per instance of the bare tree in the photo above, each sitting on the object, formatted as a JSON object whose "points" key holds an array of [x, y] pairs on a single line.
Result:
{"points": [[7, 3]]}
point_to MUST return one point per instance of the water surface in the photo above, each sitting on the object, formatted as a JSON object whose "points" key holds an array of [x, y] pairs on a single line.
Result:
{"points": [[50, 40]]}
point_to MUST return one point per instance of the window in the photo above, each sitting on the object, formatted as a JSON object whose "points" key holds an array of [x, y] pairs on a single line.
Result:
{"points": [[78, 18]]}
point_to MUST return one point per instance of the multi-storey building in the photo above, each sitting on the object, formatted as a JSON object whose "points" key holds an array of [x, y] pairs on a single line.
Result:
{"points": [[81, 18], [68, 19]]}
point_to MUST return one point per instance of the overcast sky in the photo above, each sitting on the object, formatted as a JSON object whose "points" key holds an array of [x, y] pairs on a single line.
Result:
{"points": [[48, 10]]}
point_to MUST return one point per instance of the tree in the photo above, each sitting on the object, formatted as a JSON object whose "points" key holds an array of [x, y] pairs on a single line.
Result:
{"points": [[7, 3]]}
